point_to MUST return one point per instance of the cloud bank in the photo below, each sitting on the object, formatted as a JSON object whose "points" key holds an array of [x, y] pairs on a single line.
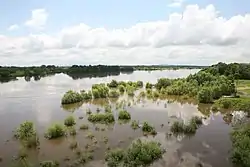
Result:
{"points": [[196, 36]]}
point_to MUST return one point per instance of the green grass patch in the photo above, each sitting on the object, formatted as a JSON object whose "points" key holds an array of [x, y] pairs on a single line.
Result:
{"points": [[69, 121], [55, 131], [101, 118], [149, 129], [71, 97], [124, 115]]}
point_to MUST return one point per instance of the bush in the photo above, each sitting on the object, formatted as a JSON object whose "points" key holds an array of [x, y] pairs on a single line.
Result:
{"points": [[191, 127], [114, 157], [138, 154], [156, 94], [113, 84], [205, 95], [101, 118], [149, 85], [142, 153], [49, 164], [177, 127], [55, 131], [121, 88], [72, 131], [86, 95], [139, 84], [84, 127], [107, 109], [162, 83], [113, 94], [71, 97], [69, 121], [146, 127], [25, 130], [124, 115], [100, 91], [135, 124], [240, 153]]}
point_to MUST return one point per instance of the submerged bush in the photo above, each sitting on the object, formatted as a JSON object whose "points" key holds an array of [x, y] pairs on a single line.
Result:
{"points": [[100, 91], [121, 88], [49, 164], [55, 131], [177, 127], [86, 95], [135, 124], [113, 84], [25, 130], [139, 153], [240, 153], [101, 118], [149, 85], [146, 127], [139, 84], [84, 127], [107, 109], [69, 121], [205, 95], [124, 115], [71, 97], [113, 94]]}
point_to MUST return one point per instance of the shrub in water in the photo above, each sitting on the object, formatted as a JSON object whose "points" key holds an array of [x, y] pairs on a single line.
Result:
{"points": [[55, 131], [121, 88], [146, 127], [25, 130], [100, 91], [114, 157], [86, 95], [71, 97], [149, 85], [124, 115], [177, 127], [69, 121], [139, 84], [84, 127], [135, 124], [113, 94], [113, 84], [107, 109], [101, 118], [49, 164]]}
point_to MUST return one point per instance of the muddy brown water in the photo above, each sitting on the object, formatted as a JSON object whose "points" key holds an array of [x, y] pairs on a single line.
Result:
{"points": [[39, 102]]}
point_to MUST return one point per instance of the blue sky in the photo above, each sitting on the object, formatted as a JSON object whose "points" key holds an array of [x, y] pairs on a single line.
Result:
{"points": [[108, 13], [65, 32]]}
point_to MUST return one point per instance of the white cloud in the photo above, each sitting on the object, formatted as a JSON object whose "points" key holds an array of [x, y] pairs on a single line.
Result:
{"points": [[13, 27], [38, 19], [196, 36], [176, 3]]}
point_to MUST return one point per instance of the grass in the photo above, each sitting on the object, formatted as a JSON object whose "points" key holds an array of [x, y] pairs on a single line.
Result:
{"points": [[240, 154], [124, 115], [101, 118], [148, 129], [55, 131], [69, 121], [84, 127], [139, 153], [114, 94]]}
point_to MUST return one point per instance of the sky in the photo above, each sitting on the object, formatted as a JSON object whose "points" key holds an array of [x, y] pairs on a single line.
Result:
{"points": [[124, 32]]}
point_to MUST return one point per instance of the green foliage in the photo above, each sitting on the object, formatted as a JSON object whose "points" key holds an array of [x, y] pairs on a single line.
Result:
{"points": [[84, 127], [240, 153], [73, 145], [177, 127], [100, 91], [114, 94], [25, 130], [124, 115], [121, 88], [139, 84], [135, 124], [130, 90], [163, 83], [55, 131], [108, 109], [146, 127], [72, 131], [205, 95], [86, 95], [71, 97], [139, 153], [156, 94], [101, 118], [149, 85], [142, 94], [113, 84], [49, 164], [69, 121], [115, 157]]}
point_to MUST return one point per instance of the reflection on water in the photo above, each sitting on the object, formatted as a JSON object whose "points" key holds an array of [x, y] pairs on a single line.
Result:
{"points": [[40, 102]]}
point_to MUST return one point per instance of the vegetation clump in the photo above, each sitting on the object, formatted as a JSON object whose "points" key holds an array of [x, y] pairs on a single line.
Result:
{"points": [[86, 95], [100, 91], [139, 153], [114, 94], [124, 115], [49, 164], [101, 118], [113, 84], [71, 97], [55, 131], [135, 124], [240, 138], [146, 127], [149, 85], [69, 121], [121, 88], [84, 127]]}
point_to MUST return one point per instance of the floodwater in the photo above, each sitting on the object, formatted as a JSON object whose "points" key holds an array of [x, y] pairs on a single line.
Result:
{"points": [[40, 102]]}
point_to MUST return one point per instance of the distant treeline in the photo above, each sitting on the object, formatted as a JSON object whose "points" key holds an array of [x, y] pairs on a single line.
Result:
{"points": [[167, 67]]}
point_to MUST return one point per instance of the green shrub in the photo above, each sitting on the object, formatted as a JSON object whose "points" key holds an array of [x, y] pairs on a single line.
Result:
{"points": [[72, 131], [205, 95], [139, 84], [114, 94], [135, 124], [113, 84], [142, 94], [55, 131], [25, 130], [130, 90], [100, 91], [114, 157], [240, 153], [142, 153], [124, 115], [149, 85], [191, 127], [121, 88], [71, 97], [177, 127], [84, 127], [101, 118], [69, 121], [49, 164], [107, 109], [156, 94], [146, 127], [86, 95]]}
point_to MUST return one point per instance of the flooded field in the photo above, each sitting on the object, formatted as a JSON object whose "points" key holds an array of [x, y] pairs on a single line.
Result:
{"points": [[40, 102]]}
